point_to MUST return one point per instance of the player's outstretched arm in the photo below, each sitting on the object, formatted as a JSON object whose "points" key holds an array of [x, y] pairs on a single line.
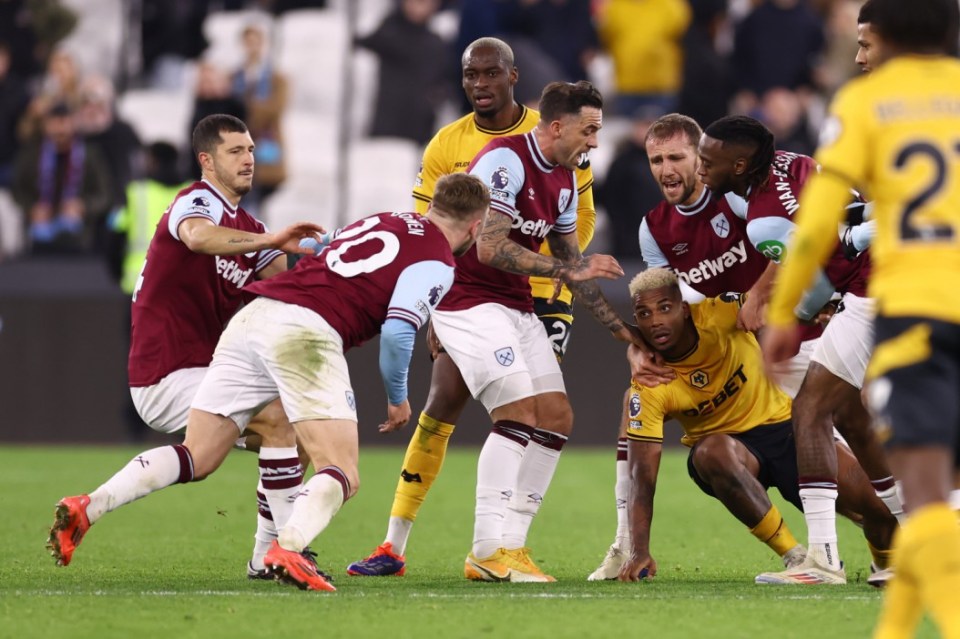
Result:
{"points": [[644, 464], [201, 235], [580, 274], [496, 249]]}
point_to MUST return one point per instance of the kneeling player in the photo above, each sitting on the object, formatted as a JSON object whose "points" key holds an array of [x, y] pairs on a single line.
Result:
{"points": [[735, 420]]}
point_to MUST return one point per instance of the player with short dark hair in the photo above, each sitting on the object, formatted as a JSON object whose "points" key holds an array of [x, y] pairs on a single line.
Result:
{"points": [[893, 133], [205, 250], [513, 371], [384, 274], [735, 421], [488, 77]]}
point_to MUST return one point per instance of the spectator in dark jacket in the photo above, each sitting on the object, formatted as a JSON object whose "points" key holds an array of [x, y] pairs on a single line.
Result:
{"points": [[413, 72]]}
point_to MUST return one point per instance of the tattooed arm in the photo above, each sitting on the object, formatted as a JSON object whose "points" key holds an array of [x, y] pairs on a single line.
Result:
{"points": [[576, 273], [201, 235]]}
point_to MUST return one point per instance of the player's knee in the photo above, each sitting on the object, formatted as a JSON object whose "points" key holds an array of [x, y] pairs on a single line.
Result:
{"points": [[556, 417], [712, 458]]}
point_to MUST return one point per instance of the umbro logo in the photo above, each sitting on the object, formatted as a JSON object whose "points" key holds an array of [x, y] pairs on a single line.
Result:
{"points": [[681, 248], [410, 478]]}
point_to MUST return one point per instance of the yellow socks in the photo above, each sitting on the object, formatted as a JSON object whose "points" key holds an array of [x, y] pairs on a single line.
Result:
{"points": [[881, 558], [421, 465], [927, 560], [772, 530]]}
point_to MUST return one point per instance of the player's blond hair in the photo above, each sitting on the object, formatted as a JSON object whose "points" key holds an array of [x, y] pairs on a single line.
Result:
{"points": [[460, 196], [652, 279]]}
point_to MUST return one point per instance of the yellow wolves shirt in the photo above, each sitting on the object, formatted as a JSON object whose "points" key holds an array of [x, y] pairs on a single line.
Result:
{"points": [[453, 148], [895, 134], [720, 387]]}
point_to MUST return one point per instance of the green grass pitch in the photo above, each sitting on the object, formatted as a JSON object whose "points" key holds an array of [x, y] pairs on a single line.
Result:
{"points": [[173, 565]]}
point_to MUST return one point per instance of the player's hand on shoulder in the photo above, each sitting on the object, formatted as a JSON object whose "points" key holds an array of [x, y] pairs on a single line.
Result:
{"points": [[289, 239], [591, 267], [397, 417], [647, 367], [750, 317], [638, 567]]}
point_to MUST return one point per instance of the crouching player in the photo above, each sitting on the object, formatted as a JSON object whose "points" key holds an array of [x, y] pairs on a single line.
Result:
{"points": [[735, 421]]}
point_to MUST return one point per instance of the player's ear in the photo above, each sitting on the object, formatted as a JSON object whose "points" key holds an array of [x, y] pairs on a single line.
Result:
{"points": [[740, 166], [686, 310], [205, 160], [514, 76]]}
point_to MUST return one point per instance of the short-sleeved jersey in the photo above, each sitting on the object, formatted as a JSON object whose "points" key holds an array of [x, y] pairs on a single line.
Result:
{"points": [[183, 299], [895, 133], [769, 214], [705, 246], [389, 265], [720, 387], [453, 148], [538, 196]]}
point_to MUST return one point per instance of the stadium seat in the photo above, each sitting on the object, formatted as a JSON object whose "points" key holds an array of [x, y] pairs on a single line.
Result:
{"points": [[312, 143], [158, 115], [97, 39], [224, 29], [299, 200], [381, 173], [312, 47], [363, 93]]}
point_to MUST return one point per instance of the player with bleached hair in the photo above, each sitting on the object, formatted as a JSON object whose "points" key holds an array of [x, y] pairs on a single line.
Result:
{"points": [[735, 421]]}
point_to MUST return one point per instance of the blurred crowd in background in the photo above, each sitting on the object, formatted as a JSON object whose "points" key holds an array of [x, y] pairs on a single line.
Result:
{"points": [[98, 98]]}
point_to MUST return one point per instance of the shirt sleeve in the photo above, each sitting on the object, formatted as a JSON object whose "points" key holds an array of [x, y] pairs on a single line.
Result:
{"points": [[419, 289], [266, 256], [198, 203], [502, 171], [567, 220], [645, 413], [649, 249], [845, 144], [431, 170], [396, 349], [586, 209]]}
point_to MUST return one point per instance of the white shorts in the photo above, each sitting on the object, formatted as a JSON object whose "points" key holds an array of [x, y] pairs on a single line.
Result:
{"points": [[165, 405], [847, 343], [490, 343], [272, 349], [789, 373]]}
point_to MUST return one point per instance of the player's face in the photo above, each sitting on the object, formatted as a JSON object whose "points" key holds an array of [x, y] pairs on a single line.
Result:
{"points": [[673, 163], [233, 162], [718, 165], [661, 317], [576, 135], [487, 81], [870, 47]]}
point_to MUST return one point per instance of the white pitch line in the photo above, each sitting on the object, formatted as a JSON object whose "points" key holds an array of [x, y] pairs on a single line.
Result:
{"points": [[435, 595]]}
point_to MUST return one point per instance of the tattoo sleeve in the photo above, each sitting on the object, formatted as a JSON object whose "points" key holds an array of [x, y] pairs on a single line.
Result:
{"points": [[587, 292], [496, 249]]}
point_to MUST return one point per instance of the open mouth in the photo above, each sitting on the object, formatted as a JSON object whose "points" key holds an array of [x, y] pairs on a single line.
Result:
{"points": [[672, 188], [661, 337], [483, 100]]}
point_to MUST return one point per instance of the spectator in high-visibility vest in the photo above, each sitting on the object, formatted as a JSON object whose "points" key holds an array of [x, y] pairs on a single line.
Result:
{"points": [[147, 200]]}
